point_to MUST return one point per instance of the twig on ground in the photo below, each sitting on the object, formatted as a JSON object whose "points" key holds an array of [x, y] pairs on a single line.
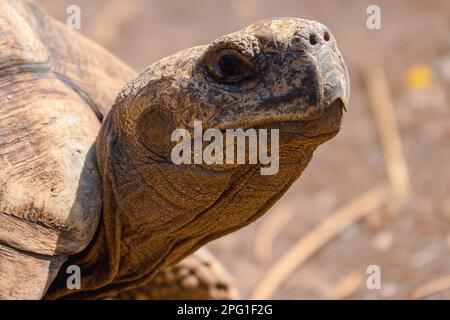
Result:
{"points": [[268, 231], [312, 242], [346, 287], [430, 288], [381, 105]]}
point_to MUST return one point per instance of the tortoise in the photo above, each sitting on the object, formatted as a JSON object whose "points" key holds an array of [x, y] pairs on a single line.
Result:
{"points": [[86, 173]]}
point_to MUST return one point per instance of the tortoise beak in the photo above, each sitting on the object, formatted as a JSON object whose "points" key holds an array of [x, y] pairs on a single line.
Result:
{"points": [[335, 79]]}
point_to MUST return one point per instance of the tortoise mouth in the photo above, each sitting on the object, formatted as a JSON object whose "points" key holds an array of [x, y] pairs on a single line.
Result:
{"points": [[294, 135], [326, 125], [327, 122], [289, 122]]}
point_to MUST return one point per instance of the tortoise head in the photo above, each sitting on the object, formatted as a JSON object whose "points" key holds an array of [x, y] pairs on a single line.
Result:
{"points": [[280, 74]]}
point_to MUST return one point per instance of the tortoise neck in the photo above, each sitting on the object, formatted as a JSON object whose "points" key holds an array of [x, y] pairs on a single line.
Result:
{"points": [[117, 257]]}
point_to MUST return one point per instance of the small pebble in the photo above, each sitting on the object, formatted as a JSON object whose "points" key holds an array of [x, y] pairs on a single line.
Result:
{"points": [[382, 241]]}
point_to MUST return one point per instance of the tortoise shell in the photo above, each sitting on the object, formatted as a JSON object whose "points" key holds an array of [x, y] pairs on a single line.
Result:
{"points": [[55, 88]]}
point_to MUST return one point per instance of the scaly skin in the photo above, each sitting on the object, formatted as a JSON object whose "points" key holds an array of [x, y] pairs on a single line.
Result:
{"points": [[55, 88], [155, 213], [198, 277]]}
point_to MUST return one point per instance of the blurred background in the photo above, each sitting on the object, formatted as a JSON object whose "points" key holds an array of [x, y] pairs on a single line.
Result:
{"points": [[396, 133]]}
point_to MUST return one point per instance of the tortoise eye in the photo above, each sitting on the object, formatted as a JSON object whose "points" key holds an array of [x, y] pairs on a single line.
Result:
{"points": [[229, 66]]}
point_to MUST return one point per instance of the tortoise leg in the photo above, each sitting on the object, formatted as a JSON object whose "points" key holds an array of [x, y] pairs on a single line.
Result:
{"points": [[200, 276]]}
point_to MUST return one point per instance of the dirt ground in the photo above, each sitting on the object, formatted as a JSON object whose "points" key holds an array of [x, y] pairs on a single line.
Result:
{"points": [[411, 245]]}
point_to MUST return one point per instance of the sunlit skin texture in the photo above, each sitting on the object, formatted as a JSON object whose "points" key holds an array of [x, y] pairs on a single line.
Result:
{"points": [[283, 73]]}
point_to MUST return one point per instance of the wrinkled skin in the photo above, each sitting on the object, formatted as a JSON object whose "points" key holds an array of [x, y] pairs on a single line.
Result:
{"points": [[290, 76], [197, 277]]}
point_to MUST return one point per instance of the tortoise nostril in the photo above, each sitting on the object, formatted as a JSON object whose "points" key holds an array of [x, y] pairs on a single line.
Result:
{"points": [[326, 36], [313, 39]]}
